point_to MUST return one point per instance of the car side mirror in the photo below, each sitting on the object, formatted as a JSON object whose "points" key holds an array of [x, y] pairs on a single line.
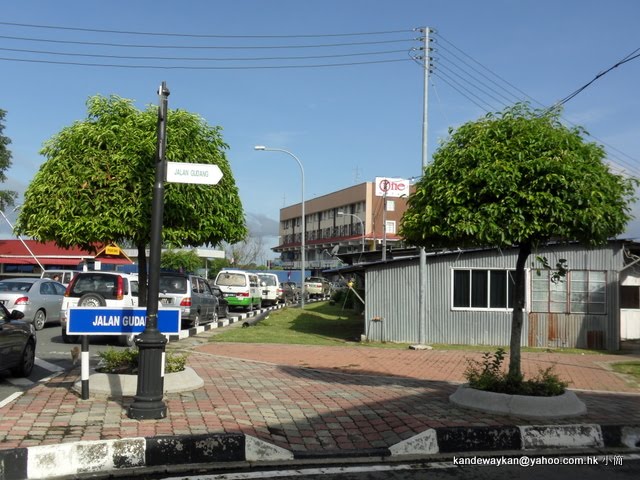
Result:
{"points": [[16, 315], [264, 284]]}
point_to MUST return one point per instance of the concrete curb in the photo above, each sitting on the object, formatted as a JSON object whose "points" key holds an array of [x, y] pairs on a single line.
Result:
{"points": [[104, 456], [539, 408], [114, 385]]}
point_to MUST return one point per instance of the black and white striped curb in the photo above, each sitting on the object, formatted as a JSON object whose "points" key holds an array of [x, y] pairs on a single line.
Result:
{"points": [[113, 456]]}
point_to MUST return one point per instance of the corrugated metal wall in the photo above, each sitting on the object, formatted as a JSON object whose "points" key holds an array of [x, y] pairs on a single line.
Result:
{"points": [[391, 310]]}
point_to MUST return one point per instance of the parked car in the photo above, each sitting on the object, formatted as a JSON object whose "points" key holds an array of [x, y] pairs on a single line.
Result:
{"points": [[191, 294], [317, 286], [287, 293], [223, 305], [240, 288], [100, 289], [40, 299], [268, 288], [62, 276], [17, 343]]}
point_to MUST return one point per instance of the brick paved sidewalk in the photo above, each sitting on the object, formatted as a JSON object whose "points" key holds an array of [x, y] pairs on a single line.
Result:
{"points": [[583, 372], [279, 399]]}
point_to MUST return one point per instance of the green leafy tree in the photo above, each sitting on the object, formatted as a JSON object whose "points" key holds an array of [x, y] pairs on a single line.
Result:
{"points": [[181, 260], [517, 178], [96, 184], [7, 198]]}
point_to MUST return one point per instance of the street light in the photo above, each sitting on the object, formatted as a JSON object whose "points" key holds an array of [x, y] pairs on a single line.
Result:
{"points": [[361, 225], [302, 244]]}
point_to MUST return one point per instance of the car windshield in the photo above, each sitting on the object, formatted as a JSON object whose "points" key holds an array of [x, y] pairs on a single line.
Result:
{"points": [[231, 280], [173, 284], [268, 280], [15, 286]]}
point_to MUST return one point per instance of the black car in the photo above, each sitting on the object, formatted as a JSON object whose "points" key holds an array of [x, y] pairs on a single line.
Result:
{"points": [[223, 305], [17, 343]]}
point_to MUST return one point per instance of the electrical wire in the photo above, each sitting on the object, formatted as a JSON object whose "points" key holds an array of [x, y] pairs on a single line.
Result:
{"points": [[195, 35], [201, 47], [212, 59], [465, 85], [187, 67]]}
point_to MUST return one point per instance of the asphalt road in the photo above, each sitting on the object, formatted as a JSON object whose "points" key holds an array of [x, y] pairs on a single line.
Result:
{"points": [[549, 467]]}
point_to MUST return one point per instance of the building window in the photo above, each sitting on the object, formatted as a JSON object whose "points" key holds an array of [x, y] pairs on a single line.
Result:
{"points": [[581, 291], [629, 296], [483, 289], [390, 226], [391, 206]]}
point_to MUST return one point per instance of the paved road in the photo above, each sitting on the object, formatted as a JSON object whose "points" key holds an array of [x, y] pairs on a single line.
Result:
{"points": [[586, 467]]}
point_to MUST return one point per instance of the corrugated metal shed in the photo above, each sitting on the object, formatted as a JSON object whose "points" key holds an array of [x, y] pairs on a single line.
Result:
{"points": [[391, 296]]}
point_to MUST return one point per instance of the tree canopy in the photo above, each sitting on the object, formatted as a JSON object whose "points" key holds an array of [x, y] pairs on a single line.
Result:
{"points": [[181, 260], [7, 197], [517, 178], [96, 185]]}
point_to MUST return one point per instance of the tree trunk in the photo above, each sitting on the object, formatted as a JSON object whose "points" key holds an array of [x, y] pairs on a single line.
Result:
{"points": [[142, 275], [515, 370]]}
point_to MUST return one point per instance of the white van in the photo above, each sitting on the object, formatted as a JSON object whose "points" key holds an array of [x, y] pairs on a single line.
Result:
{"points": [[62, 276], [269, 288], [240, 288]]}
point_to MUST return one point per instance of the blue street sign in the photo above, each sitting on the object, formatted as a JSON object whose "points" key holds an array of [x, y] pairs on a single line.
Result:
{"points": [[119, 321]]}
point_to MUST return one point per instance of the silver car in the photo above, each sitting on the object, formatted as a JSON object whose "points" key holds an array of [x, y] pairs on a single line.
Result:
{"points": [[39, 299], [191, 294]]}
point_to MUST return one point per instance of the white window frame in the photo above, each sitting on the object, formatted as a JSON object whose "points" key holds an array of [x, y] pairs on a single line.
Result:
{"points": [[480, 309]]}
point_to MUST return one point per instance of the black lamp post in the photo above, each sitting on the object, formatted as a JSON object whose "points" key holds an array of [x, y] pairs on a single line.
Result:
{"points": [[151, 343]]}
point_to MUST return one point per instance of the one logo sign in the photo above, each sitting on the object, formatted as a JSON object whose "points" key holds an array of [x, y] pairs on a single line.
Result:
{"points": [[200, 173], [391, 187], [119, 321]]}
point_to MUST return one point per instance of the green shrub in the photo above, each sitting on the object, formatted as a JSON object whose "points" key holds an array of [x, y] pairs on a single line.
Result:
{"points": [[126, 361], [489, 375]]}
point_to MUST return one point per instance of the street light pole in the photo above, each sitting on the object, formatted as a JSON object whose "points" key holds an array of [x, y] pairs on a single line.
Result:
{"points": [[302, 236], [148, 403], [361, 225]]}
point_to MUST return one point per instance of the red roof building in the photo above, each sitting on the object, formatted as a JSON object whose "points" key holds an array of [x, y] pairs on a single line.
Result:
{"points": [[18, 257]]}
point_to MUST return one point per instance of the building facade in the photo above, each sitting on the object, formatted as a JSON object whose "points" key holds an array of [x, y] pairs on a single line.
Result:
{"points": [[350, 220]]}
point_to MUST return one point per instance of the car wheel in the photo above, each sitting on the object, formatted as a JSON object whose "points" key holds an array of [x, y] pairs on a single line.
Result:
{"points": [[196, 320], [127, 341], [92, 300], [39, 320], [214, 317], [69, 338], [225, 312], [27, 361]]}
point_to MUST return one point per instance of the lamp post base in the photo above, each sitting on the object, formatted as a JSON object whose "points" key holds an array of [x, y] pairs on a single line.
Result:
{"points": [[148, 404]]}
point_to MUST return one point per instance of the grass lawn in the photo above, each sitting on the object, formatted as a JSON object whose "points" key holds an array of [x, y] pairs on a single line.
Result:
{"points": [[324, 324], [318, 324], [629, 368]]}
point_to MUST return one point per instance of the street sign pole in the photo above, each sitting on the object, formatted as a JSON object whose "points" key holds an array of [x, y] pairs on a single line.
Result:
{"points": [[148, 403]]}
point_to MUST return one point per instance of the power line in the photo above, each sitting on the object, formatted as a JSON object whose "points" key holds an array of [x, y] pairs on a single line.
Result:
{"points": [[201, 47], [213, 59], [187, 67], [628, 58], [195, 35]]}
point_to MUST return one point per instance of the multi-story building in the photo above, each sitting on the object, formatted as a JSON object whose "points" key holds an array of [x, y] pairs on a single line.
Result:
{"points": [[350, 220]]}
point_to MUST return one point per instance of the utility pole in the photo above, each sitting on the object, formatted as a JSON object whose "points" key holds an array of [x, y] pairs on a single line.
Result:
{"points": [[422, 270]]}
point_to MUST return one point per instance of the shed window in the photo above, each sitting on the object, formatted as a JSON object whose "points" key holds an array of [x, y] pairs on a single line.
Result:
{"points": [[582, 291], [483, 289]]}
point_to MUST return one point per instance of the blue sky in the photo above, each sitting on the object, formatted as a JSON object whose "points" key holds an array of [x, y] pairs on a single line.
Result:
{"points": [[347, 124]]}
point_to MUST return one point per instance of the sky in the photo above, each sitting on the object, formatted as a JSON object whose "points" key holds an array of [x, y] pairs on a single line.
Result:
{"points": [[335, 82]]}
